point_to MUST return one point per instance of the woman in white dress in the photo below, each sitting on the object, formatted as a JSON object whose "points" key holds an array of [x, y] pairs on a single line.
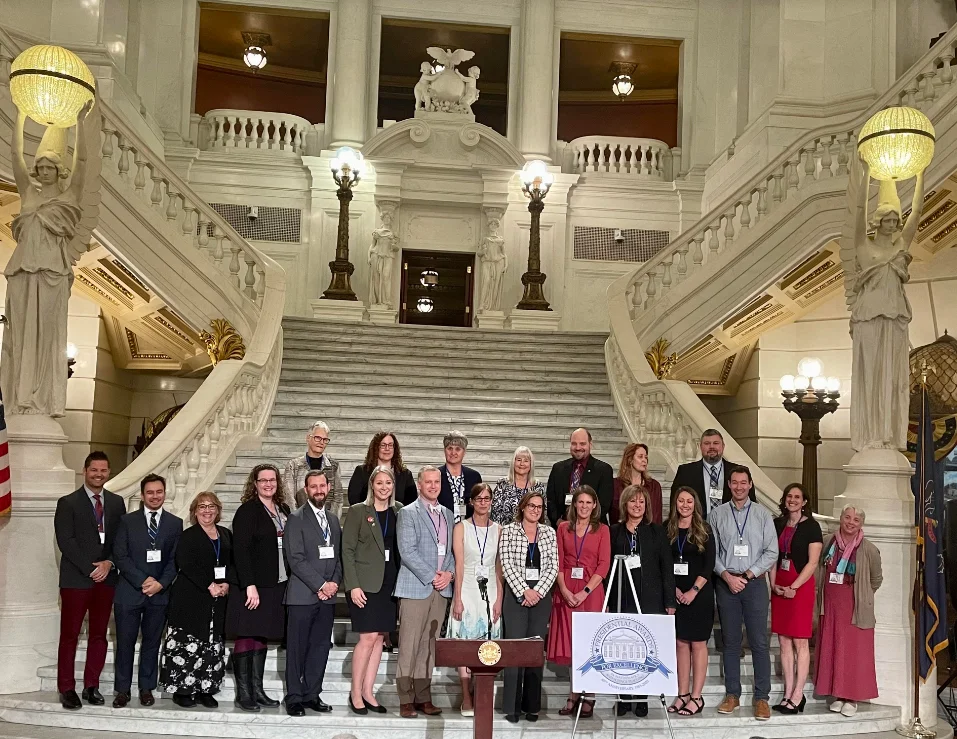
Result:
{"points": [[475, 546]]}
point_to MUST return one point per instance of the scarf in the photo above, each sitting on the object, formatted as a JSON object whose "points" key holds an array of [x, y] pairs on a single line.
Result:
{"points": [[849, 548]]}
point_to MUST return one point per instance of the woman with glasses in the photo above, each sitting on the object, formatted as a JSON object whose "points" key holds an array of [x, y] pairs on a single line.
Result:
{"points": [[510, 490], [529, 561], [478, 582], [194, 659], [383, 451], [315, 458], [255, 614]]}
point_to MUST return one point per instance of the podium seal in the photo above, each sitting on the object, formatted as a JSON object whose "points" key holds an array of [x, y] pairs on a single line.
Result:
{"points": [[489, 653]]}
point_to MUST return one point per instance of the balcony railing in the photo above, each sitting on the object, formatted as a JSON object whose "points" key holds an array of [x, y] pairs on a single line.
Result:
{"points": [[648, 159], [281, 134]]}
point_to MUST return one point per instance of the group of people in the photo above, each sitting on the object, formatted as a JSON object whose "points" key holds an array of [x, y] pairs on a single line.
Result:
{"points": [[444, 553]]}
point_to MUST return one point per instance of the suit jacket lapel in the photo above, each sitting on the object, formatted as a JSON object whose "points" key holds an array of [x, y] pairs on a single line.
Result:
{"points": [[376, 531]]}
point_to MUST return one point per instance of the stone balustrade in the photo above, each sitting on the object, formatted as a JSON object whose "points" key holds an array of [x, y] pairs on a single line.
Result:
{"points": [[634, 158], [253, 130]]}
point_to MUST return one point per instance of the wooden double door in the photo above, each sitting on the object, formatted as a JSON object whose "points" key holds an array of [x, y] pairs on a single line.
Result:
{"points": [[436, 288]]}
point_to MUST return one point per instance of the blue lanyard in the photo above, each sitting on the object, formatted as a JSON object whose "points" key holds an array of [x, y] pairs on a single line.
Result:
{"points": [[633, 537], [438, 526], [217, 546], [532, 547], [579, 547], [485, 541], [682, 540], [385, 526], [740, 528]]}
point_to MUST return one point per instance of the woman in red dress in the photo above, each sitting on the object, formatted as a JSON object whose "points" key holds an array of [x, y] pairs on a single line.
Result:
{"points": [[792, 592], [584, 558], [633, 470]]}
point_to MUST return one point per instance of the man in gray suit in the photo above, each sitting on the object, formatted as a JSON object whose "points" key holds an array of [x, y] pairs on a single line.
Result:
{"points": [[424, 586], [312, 541]]}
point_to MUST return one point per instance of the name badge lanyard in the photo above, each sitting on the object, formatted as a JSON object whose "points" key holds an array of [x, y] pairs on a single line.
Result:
{"points": [[458, 493], [436, 526], [579, 548], [682, 540], [742, 526], [484, 542], [385, 526], [635, 543], [280, 528], [217, 547], [531, 550], [788, 539]]}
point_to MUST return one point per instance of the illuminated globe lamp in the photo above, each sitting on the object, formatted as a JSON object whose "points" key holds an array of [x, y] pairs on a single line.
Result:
{"points": [[897, 143], [51, 84], [622, 86], [425, 305], [255, 57]]}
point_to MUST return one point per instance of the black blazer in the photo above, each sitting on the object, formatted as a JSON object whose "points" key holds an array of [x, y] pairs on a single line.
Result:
{"points": [[129, 552], [78, 537], [655, 579], [472, 478], [190, 603], [405, 490], [598, 475], [255, 550], [691, 474]]}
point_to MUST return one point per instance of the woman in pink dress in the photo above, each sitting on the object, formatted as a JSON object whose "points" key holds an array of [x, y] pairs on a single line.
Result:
{"points": [[849, 577], [584, 558]]}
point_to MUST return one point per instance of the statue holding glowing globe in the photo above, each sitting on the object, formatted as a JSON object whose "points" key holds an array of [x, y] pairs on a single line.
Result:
{"points": [[57, 216], [896, 144]]}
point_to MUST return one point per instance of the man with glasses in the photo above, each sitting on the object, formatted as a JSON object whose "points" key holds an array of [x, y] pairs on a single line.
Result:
{"points": [[315, 458]]}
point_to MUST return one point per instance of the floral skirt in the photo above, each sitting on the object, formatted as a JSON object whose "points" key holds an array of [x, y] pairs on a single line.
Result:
{"points": [[192, 665]]}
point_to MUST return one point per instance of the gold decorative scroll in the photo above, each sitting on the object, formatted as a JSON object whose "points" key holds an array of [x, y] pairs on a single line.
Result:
{"points": [[659, 360], [224, 342]]}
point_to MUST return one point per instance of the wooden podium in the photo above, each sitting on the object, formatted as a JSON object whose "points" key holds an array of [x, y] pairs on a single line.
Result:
{"points": [[485, 659]]}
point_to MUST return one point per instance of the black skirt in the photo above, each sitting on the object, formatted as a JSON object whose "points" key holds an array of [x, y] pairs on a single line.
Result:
{"points": [[268, 621]]}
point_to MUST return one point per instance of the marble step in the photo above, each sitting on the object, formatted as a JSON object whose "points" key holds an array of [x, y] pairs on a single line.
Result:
{"points": [[445, 368], [430, 435], [479, 379], [450, 355], [43, 709], [444, 397], [285, 420]]}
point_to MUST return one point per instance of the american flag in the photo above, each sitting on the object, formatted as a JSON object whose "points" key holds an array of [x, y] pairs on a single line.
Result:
{"points": [[5, 497]]}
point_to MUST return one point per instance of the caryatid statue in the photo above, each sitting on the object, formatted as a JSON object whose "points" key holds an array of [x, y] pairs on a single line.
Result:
{"points": [[385, 245], [494, 263], [57, 217], [874, 252]]}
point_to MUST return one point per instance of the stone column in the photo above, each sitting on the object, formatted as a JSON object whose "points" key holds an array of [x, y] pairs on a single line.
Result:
{"points": [[537, 50], [350, 73]]}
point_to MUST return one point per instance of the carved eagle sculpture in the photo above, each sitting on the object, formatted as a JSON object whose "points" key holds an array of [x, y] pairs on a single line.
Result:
{"points": [[448, 58]]}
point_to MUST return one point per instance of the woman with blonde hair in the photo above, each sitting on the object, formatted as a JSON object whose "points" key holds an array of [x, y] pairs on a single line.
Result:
{"points": [[511, 489], [633, 470]]}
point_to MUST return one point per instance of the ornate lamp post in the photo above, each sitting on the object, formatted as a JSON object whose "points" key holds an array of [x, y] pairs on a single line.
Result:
{"points": [[810, 396], [347, 169], [536, 181]]}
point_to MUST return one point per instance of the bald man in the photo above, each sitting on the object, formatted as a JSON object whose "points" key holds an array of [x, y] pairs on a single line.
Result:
{"points": [[581, 469]]}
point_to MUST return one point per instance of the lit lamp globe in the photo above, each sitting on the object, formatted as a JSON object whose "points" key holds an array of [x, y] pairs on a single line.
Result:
{"points": [[622, 86], [536, 177], [51, 84], [897, 143]]}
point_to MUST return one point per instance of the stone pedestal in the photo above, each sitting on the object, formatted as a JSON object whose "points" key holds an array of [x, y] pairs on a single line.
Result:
{"points": [[383, 315], [878, 480], [29, 607], [534, 320], [343, 311], [490, 319]]}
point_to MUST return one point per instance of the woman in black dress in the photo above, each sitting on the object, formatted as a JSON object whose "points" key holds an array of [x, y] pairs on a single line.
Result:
{"points": [[194, 659], [383, 452], [648, 553], [255, 614], [370, 565], [693, 551]]}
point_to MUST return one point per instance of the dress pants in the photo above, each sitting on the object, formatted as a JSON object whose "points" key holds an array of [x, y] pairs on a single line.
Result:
{"points": [[75, 603], [523, 685], [308, 640], [420, 622], [750, 608], [130, 620]]}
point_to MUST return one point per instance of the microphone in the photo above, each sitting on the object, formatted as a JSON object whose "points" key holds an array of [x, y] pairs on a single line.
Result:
{"points": [[483, 591], [483, 587]]}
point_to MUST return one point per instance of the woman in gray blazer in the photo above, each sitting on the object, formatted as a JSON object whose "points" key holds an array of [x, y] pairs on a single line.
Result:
{"points": [[370, 563]]}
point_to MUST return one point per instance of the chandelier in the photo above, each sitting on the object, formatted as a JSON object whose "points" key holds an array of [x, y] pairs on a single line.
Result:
{"points": [[255, 54], [622, 85], [897, 143], [50, 84]]}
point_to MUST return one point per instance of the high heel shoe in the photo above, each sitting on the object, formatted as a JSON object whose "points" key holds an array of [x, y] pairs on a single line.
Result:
{"points": [[375, 709], [791, 708], [675, 707], [361, 711], [698, 707]]}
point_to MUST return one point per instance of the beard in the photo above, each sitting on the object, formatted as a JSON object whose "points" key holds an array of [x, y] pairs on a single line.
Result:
{"points": [[712, 457]]}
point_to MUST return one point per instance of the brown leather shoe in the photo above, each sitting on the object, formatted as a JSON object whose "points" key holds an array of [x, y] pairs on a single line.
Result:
{"points": [[762, 711], [146, 698], [120, 700], [427, 708], [731, 702], [407, 710]]}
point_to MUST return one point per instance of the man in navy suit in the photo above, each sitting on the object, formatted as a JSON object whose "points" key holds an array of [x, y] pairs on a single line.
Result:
{"points": [[457, 479], [145, 554]]}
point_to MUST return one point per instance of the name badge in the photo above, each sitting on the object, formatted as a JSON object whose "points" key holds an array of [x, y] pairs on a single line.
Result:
{"points": [[633, 561], [681, 568], [578, 573], [785, 565], [459, 510], [740, 550], [531, 573], [102, 537], [714, 494], [837, 578], [279, 540], [327, 552], [481, 572], [568, 499], [154, 555], [386, 555], [441, 550], [219, 573]]}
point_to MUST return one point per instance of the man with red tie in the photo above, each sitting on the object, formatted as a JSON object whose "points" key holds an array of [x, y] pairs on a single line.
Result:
{"points": [[85, 525]]}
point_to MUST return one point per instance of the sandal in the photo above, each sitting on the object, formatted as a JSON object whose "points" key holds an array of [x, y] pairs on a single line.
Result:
{"points": [[588, 709], [570, 707], [699, 707], [675, 707]]}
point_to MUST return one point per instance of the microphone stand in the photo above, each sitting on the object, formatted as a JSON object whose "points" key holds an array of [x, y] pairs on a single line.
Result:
{"points": [[483, 591]]}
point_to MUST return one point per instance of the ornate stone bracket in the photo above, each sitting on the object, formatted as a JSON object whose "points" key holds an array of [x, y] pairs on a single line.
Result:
{"points": [[224, 342]]}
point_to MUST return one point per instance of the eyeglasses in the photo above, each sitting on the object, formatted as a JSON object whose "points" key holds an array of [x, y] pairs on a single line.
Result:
{"points": [[207, 507], [534, 507], [320, 439], [271, 481], [482, 499], [387, 446]]}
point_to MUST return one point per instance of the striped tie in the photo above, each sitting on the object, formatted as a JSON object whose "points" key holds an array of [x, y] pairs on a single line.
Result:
{"points": [[154, 529]]}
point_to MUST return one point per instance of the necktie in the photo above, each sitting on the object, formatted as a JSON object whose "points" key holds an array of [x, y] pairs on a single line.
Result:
{"points": [[324, 525], [154, 528], [713, 471], [98, 510], [576, 475]]}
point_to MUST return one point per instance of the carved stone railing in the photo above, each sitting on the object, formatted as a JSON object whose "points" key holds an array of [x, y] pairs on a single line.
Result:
{"points": [[204, 270], [625, 157], [253, 130], [741, 246]]}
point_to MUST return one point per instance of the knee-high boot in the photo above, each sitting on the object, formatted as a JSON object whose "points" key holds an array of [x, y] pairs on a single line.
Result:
{"points": [[259, 669], [243, 672]]}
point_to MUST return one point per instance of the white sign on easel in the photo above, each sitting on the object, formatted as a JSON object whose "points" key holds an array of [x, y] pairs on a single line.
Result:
{"points": [[624, 653]]}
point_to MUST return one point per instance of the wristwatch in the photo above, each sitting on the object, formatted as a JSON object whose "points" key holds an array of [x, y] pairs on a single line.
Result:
{"points": [[587, 589], [695, 588]]}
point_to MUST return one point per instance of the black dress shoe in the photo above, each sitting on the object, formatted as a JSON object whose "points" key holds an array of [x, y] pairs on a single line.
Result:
{"points": [[374, 709], [641, 709], [622, 708], [184, 701], [207, 700], [318, 705], [533, 717], [70, 700], [512, 718], [361, 711], [120, 700], [93, 696], [146, 698], [295, 709]]}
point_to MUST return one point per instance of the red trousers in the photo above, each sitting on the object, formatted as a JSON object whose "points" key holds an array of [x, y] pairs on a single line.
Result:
{"points": [[75, 603]]}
